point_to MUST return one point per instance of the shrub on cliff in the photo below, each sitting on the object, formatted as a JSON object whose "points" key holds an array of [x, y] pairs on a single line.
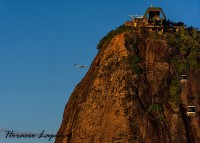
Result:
{"points": [[156, 108], [134, 61], [106, 40]]}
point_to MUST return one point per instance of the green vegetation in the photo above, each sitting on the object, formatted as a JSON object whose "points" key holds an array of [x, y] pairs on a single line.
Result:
{"points": [[187, 43], [194, 58], [185, 58], [134, 61], [181, 66], [106, 40], [161, 117], [156, 108], [134, 46], [184, 55], [175, 91]]}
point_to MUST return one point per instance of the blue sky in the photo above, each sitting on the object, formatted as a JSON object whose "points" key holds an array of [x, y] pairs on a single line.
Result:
{"points": [[41, 40]]}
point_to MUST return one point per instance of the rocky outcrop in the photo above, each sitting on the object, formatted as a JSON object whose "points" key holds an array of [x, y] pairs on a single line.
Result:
{"points": [[115, 104]]}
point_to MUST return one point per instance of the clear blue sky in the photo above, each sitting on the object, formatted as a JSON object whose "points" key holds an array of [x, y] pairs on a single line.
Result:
{"points": [[41, 40]]}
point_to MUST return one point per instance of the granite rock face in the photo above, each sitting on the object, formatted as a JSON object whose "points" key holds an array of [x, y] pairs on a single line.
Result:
{"points": [[115, 104]]}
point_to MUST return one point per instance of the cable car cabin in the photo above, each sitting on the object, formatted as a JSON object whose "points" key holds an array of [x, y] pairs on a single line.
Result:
{"points": [[184, 79], [191, 110], [154, 17]]}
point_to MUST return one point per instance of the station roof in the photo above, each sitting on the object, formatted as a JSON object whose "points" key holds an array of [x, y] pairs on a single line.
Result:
{"points": [[154, 9]]}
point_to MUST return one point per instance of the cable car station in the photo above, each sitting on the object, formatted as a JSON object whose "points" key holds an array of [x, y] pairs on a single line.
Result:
{"points": [[153, 19]]}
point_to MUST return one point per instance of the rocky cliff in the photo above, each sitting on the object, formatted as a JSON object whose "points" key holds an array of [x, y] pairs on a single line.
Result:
{"points": [[132, 91]]}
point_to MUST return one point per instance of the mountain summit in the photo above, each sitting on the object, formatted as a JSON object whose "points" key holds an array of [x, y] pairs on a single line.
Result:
{"points": [[142, 87]]}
